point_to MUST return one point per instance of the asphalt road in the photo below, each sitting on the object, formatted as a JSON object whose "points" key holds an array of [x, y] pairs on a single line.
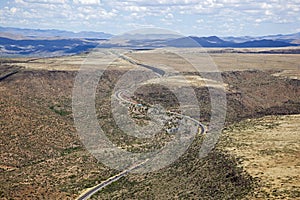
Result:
{"points": [[88, 193], [156, 70]]}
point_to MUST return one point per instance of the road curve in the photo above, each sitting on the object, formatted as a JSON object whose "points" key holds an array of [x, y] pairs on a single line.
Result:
{"points": [[89, 192], [202, 126], [118, 95]]}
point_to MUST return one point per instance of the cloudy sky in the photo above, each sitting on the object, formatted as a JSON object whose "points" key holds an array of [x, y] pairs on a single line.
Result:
{"points": [[188, 17]]}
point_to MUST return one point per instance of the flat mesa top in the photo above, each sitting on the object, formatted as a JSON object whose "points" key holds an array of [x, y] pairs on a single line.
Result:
{"points": [[174, 59]]}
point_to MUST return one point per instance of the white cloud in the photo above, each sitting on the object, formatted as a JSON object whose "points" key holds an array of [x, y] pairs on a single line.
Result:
{"points": [[13, 10], [87, 2], [183, 13], [283, 21], [43, 1], [19, 1], [258, 20], [199, 21], [135, 8], [268, 12], [266, 5], [169, 16], [156, 3], [135, 16]]}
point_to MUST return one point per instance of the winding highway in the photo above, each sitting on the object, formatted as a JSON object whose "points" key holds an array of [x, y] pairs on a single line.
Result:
{"points": [[88, 193], [91, 191], [160, 73]]}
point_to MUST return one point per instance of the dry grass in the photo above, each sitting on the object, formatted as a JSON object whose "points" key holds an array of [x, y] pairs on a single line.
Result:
{"points": [[269, 149]]}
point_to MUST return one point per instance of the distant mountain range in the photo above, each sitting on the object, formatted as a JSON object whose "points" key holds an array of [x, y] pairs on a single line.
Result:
{"points": [[216, 42], [290, 38], [44, 48], [32, 42], [51, 33]]}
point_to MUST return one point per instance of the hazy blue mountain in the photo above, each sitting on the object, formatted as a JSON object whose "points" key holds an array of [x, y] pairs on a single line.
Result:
{"points": [[217, 42], [30, 42], [51, 33], [279, 37], [151, 36], [193, 41], [10, 47], [263, 43]]}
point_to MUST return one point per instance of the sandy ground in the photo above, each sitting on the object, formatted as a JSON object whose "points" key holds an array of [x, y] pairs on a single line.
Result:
{"points": [[269, 149]]}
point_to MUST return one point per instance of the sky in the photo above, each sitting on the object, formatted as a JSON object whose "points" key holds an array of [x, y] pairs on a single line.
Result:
{"points": [[187, 17]]}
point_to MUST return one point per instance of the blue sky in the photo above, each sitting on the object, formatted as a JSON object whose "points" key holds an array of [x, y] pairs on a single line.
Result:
{"points": [[188, 17]]}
